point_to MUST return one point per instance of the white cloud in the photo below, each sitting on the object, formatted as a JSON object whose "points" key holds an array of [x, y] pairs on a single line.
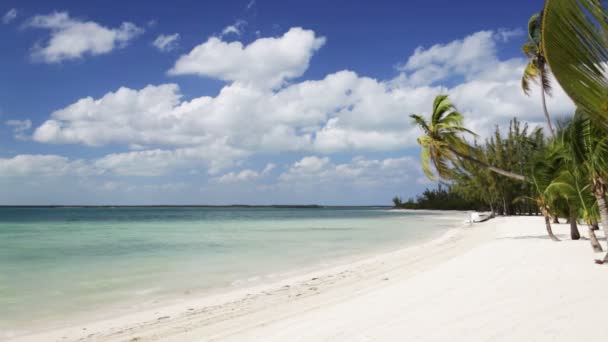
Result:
{"points": [[466, 57], [20, 128], [166, 42], [268, 168], [9, 16], [250, 4], [359, 172], [236, 28], [213, 158], [506, 35], [125, 116], [343, 112], [73, 38], [30, 165], [266, 62], [488, 89], [246, 175]]}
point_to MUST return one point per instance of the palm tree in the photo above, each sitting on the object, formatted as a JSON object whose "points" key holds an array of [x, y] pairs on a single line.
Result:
{"points": [[574, 39], [589, 150], [442, 144], [543, 198], [571, 185], [537, 70]]}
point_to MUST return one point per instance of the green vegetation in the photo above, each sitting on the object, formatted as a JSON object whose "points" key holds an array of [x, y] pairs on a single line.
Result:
{"points": [[521, 171], [536, 70], [442, 198]]}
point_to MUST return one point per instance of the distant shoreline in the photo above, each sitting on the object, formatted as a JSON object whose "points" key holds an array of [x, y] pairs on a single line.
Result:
{"points": [[278, 206]]}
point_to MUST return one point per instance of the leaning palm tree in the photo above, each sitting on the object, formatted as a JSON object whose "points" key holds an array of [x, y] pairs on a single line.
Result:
{"points": [[537, 70], [571, 184], [589, 149], [543, 198], [574, 39], [443, 145]]}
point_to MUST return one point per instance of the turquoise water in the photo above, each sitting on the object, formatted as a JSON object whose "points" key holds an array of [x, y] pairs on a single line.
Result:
{"points": [[60, 263]]}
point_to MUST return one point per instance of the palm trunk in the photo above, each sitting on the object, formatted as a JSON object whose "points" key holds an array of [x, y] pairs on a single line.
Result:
{"points": [[600, 196], [595, 244], [574, 233], [488, 166], [547, 117], [542, 91], [549, 230]]}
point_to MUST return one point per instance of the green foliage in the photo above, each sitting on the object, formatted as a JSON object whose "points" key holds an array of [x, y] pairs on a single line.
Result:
{"points": [[574, 42], [475, 187], [442, 198], [444, 148], [536, 70], [442, 139]]}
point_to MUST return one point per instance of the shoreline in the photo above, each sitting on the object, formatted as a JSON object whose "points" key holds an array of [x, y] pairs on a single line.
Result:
{"points": [[501, 280], [97, 327]]}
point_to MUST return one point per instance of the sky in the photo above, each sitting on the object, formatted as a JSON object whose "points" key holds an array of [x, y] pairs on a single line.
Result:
{"points": [[246, 101]]}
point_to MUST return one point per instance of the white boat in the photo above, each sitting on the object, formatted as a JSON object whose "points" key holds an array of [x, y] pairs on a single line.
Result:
{"points": [[477, 217]]}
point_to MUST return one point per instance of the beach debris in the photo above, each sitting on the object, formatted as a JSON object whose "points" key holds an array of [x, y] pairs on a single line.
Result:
{"points": [[163, 317]]}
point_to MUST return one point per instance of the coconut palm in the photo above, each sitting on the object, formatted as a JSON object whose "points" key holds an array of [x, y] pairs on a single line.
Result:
{"points": [[443, 145], [543, 198], [589, 151], [574, 40], [571, 184], [536, 70]]}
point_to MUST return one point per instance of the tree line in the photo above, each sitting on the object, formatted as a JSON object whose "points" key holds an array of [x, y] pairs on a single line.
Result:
{"points": [[522, 171]]}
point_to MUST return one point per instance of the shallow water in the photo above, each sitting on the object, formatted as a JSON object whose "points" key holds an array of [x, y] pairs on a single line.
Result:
{"points": [[59, 263]]}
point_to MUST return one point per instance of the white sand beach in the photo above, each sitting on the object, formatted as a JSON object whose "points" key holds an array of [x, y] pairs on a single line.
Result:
{"points": [[502, 280]]}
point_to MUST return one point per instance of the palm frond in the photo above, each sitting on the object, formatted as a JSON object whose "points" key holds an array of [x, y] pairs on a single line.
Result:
{"points": [[575, 46], [419, 120], [529, 49], [534, 27], [425, 160], [440, 106], [531, 72]]}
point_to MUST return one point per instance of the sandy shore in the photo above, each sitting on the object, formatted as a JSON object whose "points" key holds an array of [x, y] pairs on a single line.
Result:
{"points": [[502, 280]]}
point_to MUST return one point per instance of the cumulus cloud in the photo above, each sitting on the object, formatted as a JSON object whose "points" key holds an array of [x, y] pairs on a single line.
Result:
{"points": [[20, 128], [32, 165], [125, 116], [166, 42], [9, 16], [213, 158], [74, 38], [468, 58], [265, 62], [343, 112], [360, 171]]}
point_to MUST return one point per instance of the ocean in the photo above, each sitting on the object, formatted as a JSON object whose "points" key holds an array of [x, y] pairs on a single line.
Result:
{"points": [[59, 264]]}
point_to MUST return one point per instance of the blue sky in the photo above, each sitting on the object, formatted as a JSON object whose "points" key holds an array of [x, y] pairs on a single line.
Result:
{"points": [[244, 101]]}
